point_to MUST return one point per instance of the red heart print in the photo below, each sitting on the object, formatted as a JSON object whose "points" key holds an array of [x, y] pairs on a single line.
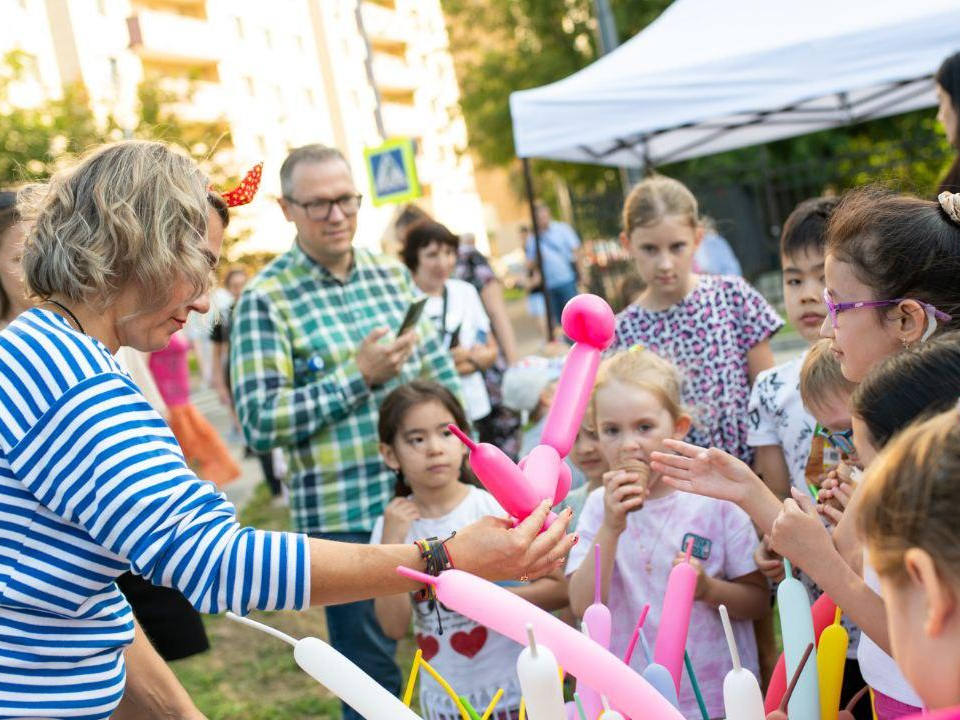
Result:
{"points": [[428, 646], [469, 644]]}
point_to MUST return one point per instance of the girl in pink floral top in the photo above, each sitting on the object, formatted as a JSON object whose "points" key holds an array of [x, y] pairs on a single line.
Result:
{"points": [[714, 328]]}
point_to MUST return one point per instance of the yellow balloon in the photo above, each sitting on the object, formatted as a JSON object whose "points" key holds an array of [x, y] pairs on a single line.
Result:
{"points": [[831, 657]]}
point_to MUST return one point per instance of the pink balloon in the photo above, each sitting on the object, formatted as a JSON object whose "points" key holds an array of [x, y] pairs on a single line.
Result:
{"points": [[503, 479], [542, 468], [571, 398], [675, 619], [564, 478], [588, 319], [599, 623], [508, 614]]}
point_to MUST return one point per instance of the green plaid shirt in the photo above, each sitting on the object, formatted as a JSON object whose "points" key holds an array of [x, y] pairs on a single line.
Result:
{"points": [[296, 383]]}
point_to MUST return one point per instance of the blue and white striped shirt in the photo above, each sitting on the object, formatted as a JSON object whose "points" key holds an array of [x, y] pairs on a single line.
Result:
{"points": [[92, 483]]}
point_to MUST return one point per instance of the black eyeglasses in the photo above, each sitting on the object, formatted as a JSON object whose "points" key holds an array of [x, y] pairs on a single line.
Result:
{"points": [[319, 210]]}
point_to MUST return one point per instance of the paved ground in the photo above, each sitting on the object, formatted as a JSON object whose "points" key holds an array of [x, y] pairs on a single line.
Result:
{"points": [[530, 338]]}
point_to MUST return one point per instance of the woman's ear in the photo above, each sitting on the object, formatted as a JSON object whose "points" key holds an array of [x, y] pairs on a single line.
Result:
{"points": [[937, 595], [913, 322], [389, 457], [681, 427]]}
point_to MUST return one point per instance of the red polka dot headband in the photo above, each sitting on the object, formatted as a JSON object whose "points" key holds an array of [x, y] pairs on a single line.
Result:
{"points": [[244, 192]]}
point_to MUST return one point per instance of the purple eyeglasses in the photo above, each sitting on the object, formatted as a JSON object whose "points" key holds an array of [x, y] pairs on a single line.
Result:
{"points": [[836, 308]]}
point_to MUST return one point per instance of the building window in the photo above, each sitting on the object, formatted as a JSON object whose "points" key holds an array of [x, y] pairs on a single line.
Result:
{"points": [[308, 97], [251, 86], [262, 143], [300, 46], [114, 73], [24, 4], [268, 39], [238, 22], [102, 7]]}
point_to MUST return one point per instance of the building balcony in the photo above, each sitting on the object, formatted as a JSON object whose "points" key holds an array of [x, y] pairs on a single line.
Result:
{"points": [[401, 120], [195, 100], [393, 74], [168, 37], [385, 28]]}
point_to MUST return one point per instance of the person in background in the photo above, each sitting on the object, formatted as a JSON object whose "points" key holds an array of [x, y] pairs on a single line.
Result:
{"points": [[313, 354], [455, 309], [13, 300], [715, 256], [948, 95], [560, 251]]}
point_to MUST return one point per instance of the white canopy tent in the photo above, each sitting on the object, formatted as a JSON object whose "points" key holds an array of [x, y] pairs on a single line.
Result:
{"points": [[715, 75]]}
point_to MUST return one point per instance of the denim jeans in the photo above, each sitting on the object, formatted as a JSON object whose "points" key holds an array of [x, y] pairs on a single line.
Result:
{"points": [[560, 296], [355, 632]]}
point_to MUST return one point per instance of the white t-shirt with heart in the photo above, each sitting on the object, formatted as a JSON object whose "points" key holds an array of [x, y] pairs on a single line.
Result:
{"points": [[476, 661]]}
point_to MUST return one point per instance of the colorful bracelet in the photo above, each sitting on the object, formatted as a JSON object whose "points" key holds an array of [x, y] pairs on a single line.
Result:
{"points": [[434, 553]]}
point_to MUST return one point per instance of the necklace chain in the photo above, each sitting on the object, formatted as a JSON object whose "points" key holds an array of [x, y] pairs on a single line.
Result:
{"points": [[69, 314], [656, 541]]}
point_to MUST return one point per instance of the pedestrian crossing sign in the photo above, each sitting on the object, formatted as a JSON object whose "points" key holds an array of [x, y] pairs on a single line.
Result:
{"points": [[392, 172]]}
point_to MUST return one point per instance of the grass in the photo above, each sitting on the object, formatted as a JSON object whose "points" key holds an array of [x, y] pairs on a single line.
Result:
{"points": [[249, 675]]}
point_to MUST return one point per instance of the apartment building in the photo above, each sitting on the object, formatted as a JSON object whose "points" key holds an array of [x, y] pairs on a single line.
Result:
{"points": [[350, 73]]}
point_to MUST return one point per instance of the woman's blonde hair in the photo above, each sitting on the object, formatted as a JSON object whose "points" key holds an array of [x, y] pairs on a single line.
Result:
{"points": [[655, 198], [133, 211], [910, 496], [821, 378], [645, 370]]}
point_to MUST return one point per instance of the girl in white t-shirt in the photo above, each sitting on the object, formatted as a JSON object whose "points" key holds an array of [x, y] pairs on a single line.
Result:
{"points": [[433, 500], [642, 526]]}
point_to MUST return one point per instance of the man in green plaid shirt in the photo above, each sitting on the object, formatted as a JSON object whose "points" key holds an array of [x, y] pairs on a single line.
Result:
{"points": [[313, 355]]}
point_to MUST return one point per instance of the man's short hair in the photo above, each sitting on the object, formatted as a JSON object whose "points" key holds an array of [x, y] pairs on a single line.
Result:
{"points": [[315, 153]]}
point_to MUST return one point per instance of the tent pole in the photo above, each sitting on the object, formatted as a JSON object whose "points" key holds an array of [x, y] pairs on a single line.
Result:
{"points": [[528, 181]]}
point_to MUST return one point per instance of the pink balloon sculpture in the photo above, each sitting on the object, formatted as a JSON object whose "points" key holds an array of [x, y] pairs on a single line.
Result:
{"points": [[508, 614], [599, 623], [675, 620], [542, 474]]}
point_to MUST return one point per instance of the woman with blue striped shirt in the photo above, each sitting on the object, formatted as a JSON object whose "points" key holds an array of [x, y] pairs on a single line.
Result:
{"points": [[92, 482]]}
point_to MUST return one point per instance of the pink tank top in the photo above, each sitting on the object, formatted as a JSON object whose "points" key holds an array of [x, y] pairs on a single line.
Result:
{"points": [[171, 370]]}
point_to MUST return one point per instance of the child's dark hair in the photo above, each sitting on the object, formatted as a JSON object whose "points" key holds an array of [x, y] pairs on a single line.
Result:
{"points": [[423, 234], [406, 397], [805, 229], [918, 382], [900, 246], [948, 77]]}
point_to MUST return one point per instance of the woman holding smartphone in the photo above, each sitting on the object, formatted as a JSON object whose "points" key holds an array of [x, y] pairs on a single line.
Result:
{"points": [[430, 251]]}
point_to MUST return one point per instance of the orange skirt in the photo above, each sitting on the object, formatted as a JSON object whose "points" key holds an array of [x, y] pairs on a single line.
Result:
{"points": [[204, 450]]}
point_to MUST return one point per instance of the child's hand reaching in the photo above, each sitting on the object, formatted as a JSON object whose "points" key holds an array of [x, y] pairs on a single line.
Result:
{"points": [[398, 516], [799, 534], [768, 562], [835, 494], [622, 494], [712, 472]]}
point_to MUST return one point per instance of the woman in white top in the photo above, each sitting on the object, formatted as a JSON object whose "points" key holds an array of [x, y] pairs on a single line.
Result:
{"points": [[430, 251]]}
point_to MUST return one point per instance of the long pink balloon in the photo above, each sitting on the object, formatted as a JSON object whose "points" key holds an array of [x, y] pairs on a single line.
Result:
{"points": [[675, 620], [508, 614], [599, 624], [591, 324]]}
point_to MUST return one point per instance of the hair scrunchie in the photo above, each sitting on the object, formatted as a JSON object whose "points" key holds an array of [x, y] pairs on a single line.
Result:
{"points": [[950, 202]]}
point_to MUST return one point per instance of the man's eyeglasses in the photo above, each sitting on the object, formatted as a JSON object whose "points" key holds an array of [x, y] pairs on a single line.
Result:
{"points": [[319, 210], [842, 440], [836, 308]]}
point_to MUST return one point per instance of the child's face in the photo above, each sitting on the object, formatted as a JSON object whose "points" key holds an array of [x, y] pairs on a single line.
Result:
{"points": [[632, 423], [803, 285], [923, 619], [11, 272], [585, 454], [424, 450], [664, 254], [861, 339], [866, 451]]}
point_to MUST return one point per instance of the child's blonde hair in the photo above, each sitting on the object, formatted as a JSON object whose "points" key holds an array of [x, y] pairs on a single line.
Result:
{"points": [[821, 378], [645, 370], [655, 198], [910, 497]]}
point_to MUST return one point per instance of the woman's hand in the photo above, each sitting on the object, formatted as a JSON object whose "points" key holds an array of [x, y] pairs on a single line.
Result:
{"points": [[491, 548], [798, 533], [622, 494], [398, 517], [712, 472]]}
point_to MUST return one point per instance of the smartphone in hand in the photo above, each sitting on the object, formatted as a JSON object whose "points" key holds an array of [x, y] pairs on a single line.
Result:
{"points": [[412, 317]]}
